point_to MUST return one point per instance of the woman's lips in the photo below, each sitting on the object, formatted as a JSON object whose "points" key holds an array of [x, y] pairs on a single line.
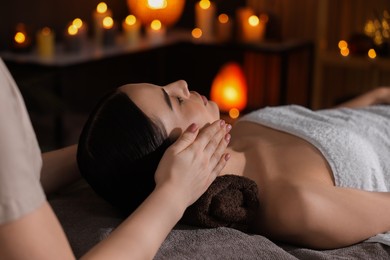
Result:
{"points": [[203, 98]]}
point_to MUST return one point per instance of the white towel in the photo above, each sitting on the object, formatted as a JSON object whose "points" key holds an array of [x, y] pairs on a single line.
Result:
{"points": [[355, 142]]}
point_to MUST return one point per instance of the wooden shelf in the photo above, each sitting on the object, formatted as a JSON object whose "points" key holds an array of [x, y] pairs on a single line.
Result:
{"points": [[357, 62], [339, 78]]}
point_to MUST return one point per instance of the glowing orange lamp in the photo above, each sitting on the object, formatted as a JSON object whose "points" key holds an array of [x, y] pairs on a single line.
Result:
{"points": [[166, 11], [229, 89]]}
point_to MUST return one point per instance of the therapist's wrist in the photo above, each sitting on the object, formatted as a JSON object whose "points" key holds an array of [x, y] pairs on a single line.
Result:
{"points": [[171, 196]]}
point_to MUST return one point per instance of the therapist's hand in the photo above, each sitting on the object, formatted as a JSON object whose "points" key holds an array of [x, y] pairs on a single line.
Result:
{"points": [[193, 162]]}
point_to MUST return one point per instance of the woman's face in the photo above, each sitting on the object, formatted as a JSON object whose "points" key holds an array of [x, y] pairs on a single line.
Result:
{"points": [[173, 105]]}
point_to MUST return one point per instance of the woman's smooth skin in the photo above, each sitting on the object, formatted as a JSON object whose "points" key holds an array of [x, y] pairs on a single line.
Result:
{"points": [[174, 105], [200, 152], [299, 201]]}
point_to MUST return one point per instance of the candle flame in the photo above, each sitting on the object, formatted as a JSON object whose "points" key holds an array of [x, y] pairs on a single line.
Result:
{"points": [[344, 52], [157, 4], [204, 4], [20, 37], [253, 20], [234, 113], [108, 22], [155, 25], [223, 18], [101, 8], [343, 45], [372, 53], [130, 19], [197, 33], [72, 29], [78, 23]]}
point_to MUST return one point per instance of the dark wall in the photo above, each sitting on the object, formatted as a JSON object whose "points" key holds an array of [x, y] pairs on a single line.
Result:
{"points": [[58, 13], [53, 13]]}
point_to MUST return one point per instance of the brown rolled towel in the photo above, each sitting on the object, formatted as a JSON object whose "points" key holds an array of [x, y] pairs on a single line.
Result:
{"points": [[230, 201]]}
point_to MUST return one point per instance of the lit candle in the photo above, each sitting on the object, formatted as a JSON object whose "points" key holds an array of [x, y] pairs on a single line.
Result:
{"points": [[21, 41], [205, 17], [99, 14], [131, 27], [167, 12], [72, 38], [254, 28], [224, 28], [82, 29], [371, 53], [344, 49], [155, 31], [242, 16], [196, 33], [109, 31], [45, 42]]}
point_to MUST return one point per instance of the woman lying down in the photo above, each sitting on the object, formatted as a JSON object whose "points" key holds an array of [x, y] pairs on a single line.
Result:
{"points": [[322, 177]]}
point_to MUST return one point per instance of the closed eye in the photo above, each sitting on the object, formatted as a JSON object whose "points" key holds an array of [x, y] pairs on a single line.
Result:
{"points": [[179, 99]]}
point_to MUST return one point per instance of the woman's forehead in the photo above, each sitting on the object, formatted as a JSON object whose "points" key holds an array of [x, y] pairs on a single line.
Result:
{"points": [[148, 97], [138, 87]]}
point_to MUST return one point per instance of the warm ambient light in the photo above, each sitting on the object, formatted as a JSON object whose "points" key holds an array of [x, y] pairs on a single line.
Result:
{"points": [[234, 113], [229, 88], [223, 18], [130, 19], [72, 29], [167, 12], [108, 22], [155, 25], [204, 4], [101, 8], [78, 23], [157, 4], [372, 54], [196, 33], [343, 46], [253, 20], [20, 37]]}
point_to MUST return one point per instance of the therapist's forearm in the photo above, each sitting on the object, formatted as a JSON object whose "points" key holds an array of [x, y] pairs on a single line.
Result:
{"points": [[141, 235], [59, 168]]}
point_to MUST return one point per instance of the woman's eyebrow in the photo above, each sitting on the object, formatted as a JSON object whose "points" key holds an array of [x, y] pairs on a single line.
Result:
{"points": [[167, 99]]}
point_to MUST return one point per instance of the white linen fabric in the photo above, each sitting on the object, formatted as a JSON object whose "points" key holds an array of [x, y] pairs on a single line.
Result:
{"points": [[20, 156], [355, 142]]}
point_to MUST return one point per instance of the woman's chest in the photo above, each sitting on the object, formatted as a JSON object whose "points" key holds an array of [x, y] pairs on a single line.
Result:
{"points": [[274, 156]]}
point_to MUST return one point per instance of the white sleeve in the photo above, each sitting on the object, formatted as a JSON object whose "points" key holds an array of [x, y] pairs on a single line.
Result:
{"points": [[20, 156]]}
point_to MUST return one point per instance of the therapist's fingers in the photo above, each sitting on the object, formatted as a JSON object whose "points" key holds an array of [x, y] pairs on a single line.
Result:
{"points": [[186, 139], [216, 143], [215, 148], [220, 165], [212, 133], [207, 140], [217, 151]]}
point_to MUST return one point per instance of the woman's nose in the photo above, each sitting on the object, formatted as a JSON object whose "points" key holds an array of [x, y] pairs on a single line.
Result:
{"points": [[179, 88]]}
